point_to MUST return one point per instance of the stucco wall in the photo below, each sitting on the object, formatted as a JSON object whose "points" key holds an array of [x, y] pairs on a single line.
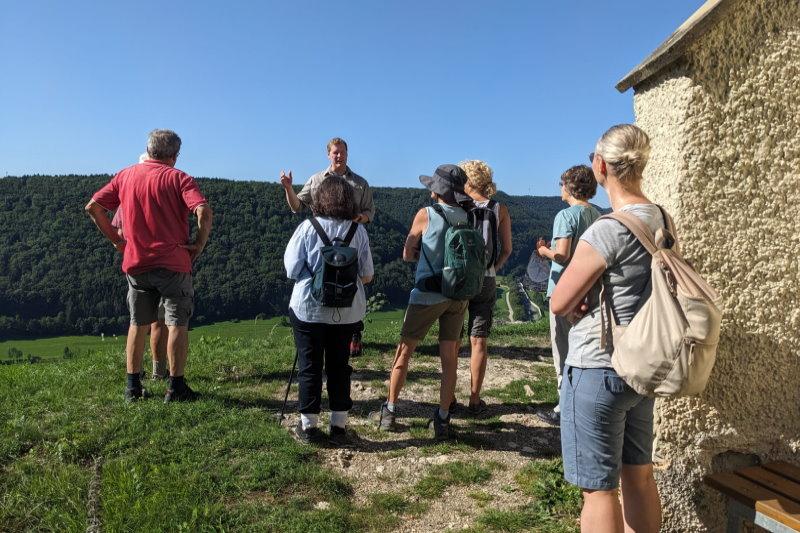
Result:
{"points": [[725, 129]]}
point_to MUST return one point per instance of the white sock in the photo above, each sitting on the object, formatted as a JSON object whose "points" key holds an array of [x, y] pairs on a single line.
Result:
{"points": [[309, 420], [339, 419], [390, 406], [557, 409], [443, 414]]}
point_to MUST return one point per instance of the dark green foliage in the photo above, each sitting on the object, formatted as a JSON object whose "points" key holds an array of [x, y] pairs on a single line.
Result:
{"points": [[59, 275]]}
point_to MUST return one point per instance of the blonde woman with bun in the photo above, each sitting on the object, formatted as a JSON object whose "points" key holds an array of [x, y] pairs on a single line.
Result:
{"points": [[481, 188], [606, 427]]}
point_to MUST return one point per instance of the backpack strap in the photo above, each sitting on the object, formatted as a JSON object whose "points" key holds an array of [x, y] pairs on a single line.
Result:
{"points": [[439, 209], [436, 207], [637, 227], [607, 318], [321, 232], [350, 233], [670, 225], [493, 223]]}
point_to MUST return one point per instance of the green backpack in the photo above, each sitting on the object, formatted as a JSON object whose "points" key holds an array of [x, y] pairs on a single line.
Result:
{"points": [[464, 259]]}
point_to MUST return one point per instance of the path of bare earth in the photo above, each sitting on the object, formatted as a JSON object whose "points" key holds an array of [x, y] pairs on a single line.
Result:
{"points": [[510, 437]]}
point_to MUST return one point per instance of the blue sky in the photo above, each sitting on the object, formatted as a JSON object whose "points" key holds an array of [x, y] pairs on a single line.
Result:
{"points": [[254, 87]]}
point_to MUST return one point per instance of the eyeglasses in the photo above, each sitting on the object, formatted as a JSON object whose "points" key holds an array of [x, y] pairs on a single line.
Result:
{"points": [[591, 157], [560, 183]]}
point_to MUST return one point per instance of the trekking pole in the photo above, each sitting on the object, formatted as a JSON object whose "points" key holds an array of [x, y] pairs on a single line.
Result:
{"points": [[288, 386]]}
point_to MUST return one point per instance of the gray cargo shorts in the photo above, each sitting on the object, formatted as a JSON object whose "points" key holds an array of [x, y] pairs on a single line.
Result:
{"points": [[481, 309], [172, 289]]}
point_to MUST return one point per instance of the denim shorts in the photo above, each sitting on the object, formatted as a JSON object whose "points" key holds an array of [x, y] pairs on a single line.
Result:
{"points": [[604, 424]]}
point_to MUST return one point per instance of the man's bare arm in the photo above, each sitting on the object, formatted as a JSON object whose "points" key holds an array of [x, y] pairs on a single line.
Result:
{"points": [[291, 197], [98, 215], [204, 220]]}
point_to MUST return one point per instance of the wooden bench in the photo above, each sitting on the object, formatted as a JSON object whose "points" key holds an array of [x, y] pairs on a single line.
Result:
{"points": [[767, 495]]}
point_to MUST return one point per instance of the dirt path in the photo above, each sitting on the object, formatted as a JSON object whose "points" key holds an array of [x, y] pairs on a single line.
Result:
{"points": [[505, 439], [508, 303]]}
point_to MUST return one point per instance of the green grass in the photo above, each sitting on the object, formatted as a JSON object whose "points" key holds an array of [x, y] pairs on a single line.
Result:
{"points": [[53, 347], [440, 477], [220, 464], [544, 480], [481, 498], [554, 509], [543, 385]]}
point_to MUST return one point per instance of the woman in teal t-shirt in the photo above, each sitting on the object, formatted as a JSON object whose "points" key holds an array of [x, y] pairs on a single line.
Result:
{"points": [[578, 186]]}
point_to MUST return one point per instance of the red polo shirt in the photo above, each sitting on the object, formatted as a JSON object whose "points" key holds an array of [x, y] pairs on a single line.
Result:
{"points": [[155, 201]]}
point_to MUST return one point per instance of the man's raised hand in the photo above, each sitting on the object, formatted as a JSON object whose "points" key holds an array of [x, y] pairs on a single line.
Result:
{"points": [[286, 179]]}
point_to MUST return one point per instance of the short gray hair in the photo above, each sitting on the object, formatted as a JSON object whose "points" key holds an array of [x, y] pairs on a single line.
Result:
{"points": [[626, 149], [163, 144]]}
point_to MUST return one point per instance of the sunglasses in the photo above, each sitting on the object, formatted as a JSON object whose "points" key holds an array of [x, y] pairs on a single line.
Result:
{"points": [[591, 157]]}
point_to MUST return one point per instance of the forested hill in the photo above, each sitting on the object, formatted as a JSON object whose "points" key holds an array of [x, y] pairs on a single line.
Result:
{"points": [[59, 275]]}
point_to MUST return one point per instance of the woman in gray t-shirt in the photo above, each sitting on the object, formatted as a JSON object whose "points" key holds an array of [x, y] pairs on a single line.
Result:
{"points": [[606, 427]]}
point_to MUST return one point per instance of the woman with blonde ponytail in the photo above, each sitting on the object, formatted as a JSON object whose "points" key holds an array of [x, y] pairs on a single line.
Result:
{"points": [[606, 427]]}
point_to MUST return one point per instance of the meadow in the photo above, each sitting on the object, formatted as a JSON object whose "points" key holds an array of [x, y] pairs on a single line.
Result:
{"points": [[74, 456]]}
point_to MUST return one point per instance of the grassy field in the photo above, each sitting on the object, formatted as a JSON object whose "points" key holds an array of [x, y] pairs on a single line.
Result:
{"points": [[72, 453], [53, 347]]}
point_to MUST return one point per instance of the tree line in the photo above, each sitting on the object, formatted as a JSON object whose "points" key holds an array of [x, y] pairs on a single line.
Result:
{"points": [[58, 275]]}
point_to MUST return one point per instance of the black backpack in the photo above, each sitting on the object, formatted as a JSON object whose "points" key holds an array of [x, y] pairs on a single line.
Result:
{"points": [[335, 282], [486, 223]]}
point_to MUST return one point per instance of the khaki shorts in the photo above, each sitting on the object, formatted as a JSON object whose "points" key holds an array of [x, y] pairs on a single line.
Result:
{"points": [[420, 318], [160, 286]]}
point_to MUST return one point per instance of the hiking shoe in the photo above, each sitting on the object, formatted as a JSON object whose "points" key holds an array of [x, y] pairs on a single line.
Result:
{"points": [[134, 394], [441, 428], [185, 395], [387, 420], [341, 438], [452, 407], [308, 436], [477, 409], [551, 417]]}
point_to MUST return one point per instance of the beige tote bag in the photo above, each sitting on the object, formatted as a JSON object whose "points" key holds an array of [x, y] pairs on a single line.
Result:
{"points": [[670, 346]]}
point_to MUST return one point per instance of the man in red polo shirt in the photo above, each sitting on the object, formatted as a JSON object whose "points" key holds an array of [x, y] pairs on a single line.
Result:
{"points": [[155, 199]]}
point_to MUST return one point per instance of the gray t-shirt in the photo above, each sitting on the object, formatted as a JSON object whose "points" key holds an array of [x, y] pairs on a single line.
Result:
{"points": [[627, 281]]}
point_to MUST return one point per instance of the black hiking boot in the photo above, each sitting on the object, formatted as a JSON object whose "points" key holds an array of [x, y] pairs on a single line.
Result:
{"points": [[134, 394], [441, 427], [342, 438], [308, 436], [185, 394]]}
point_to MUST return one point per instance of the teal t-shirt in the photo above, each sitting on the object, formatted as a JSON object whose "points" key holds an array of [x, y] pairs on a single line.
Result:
{"points": [[570, 223]]}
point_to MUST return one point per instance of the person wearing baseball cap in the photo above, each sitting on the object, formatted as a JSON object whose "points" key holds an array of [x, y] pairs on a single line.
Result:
{"points": [[426, 304]]}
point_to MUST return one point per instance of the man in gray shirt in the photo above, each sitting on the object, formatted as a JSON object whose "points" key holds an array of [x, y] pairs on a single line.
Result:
{"points": [[337, 155]]}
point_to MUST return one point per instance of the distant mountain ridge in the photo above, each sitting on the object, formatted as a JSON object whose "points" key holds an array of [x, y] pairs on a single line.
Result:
{"points": [[59, 275]]}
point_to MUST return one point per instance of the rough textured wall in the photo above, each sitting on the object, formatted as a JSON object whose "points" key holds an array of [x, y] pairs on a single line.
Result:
{"points": [[725, 125]]}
